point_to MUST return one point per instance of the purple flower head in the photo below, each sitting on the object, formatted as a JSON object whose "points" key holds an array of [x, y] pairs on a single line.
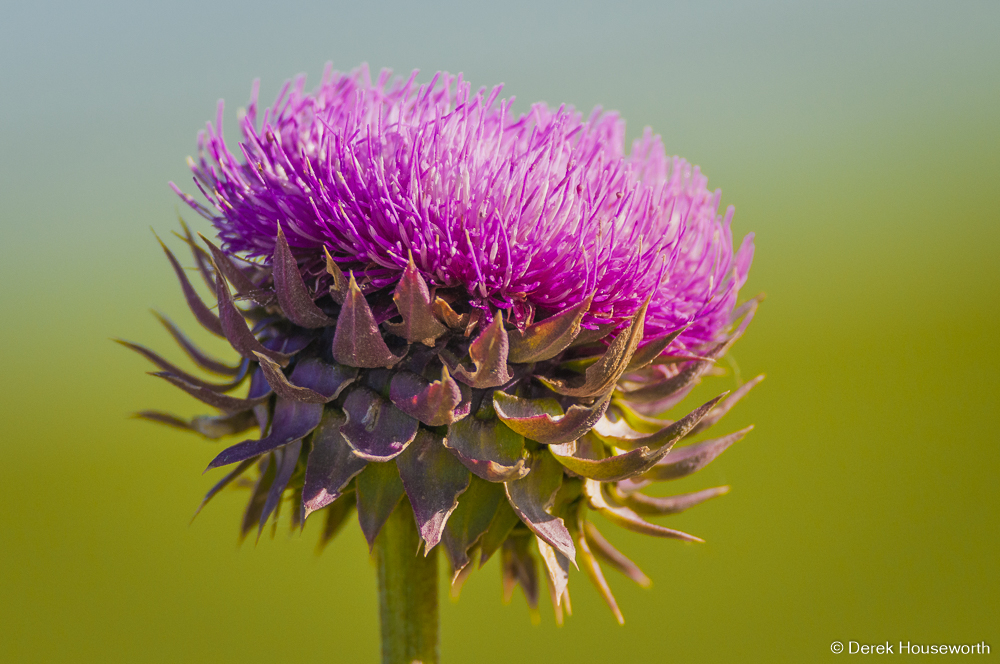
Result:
{"points": [[530, 214], [463, 324]]}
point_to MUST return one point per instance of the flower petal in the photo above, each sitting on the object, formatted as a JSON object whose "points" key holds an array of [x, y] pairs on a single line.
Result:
{"points": [[546, 339], [489, 354], [236, 331], [160, 417], [259, 387], [647, 354], [293, 297], [662, 506], [612, 556], [241, 283], [215, 427], [375, 429], [725, 406], [471, 519], [286, 459], [500, 527], [210, 427], [585, 456], [180, 373], [543, 420], [212, 398], [664, 439], [379, 490], [628, 519], [201, 312], [487, 446], [531, 496], [615, 424], [357, 341], [201, 259], [336, 516], [315, 380], [444, 312], [683, 461], [433, 479], [610, 469], [413, 301], [338, 289], [558, 568], [665, 394], [251, 517], [292, 421], [197, 356], [332, 463], [222, 484], [519, 567], [435, 404], [587, 337], [600, 377], [593, 570]]}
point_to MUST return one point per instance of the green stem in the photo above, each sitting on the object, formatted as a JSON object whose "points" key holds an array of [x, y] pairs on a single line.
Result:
{"points": [[407, 592]]}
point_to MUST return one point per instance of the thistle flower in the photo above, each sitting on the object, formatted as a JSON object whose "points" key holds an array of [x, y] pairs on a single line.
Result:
{"points": [[453, 312]]}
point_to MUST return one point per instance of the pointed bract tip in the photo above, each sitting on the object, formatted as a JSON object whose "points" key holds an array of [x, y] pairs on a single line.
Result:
{"points": [[163, 244], [333, 269]]}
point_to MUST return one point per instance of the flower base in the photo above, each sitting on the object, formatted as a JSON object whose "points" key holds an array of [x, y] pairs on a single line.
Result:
{"points": [[407, 592]]}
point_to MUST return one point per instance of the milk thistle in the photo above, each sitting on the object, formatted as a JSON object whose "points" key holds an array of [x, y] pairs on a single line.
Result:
{"points": [[460, 323]]}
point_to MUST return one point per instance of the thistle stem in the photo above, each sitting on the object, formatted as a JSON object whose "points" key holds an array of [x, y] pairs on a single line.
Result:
{"points": [[407, 592]]}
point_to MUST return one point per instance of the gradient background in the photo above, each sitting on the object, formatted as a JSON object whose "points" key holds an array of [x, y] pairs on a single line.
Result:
{"points": [[860, 141]]}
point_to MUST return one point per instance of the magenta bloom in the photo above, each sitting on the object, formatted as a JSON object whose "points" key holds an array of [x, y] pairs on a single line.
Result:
{"points": [[463, 325], [529, 214]]}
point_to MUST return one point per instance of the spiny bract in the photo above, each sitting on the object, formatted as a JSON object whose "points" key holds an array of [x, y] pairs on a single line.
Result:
{"points": [[475, 314]]}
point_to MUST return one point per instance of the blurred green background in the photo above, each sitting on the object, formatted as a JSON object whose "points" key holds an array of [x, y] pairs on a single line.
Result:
{"points": [[859, 140]]}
